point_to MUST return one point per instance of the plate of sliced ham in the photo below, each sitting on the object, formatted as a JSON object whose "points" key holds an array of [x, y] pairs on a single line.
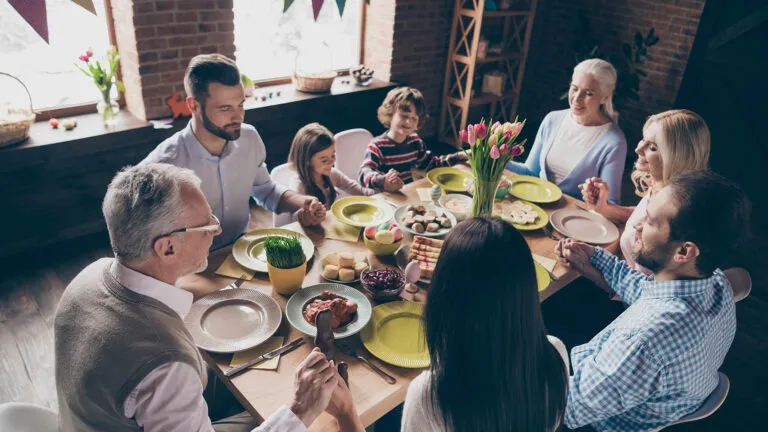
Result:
{"points": [[424, 251]]}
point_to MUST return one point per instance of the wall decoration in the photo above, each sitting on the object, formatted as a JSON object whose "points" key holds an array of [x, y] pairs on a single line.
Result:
{"points": [[178, 106]]}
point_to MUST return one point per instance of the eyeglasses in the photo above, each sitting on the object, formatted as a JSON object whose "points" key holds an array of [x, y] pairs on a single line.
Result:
{"points": [[214, 229]]}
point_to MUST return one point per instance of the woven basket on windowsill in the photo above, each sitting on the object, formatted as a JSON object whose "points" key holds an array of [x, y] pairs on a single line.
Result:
{"points": [[314, 83], [15, 128]]}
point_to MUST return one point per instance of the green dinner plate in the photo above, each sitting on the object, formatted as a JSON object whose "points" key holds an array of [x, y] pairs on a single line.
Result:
{"points": [[450, 179], [361, 211], [294, 309], [541, 221], [249, 252], [542, 277], [534, 189], [396, 334]]}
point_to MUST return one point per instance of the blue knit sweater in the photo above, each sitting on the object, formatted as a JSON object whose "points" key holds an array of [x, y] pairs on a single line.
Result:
{"points": [[605, 159]]}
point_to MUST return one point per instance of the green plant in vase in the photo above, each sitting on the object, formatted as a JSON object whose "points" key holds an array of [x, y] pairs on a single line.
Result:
{"points": [[104, 78], [286, 263], [492, 146]]}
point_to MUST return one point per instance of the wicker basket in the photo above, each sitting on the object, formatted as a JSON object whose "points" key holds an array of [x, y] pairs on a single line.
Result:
{"points": [[16, 128], [314, 83]]}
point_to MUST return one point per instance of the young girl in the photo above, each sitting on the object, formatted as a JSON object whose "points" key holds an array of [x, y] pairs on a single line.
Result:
{"points": [[674, 142], [313, 154], [521, 383], [391, 156]]}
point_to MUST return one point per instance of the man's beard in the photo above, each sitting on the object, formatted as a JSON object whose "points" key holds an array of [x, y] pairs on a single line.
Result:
{"points": [[220, 132], [201, 267], [654, 260]]}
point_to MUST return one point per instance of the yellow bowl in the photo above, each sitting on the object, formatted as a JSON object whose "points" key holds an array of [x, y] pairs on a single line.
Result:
{"points": [[381, 248]]}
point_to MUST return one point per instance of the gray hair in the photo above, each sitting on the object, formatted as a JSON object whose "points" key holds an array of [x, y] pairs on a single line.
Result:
{"points": [[142, 203], [606, 75]]}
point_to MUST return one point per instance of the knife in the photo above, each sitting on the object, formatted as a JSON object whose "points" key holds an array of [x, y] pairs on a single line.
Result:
{"points": [[276, 352]]}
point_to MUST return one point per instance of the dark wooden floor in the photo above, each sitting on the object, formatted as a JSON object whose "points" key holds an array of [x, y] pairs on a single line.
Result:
{"points": [[32, 284]]}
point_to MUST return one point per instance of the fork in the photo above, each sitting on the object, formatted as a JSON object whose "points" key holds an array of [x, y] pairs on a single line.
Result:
{"points": [[550, 233], [237, 283], [353, 352]]}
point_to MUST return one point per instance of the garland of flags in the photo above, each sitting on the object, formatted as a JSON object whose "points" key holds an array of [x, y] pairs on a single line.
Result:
{"points": [[35, 14]]}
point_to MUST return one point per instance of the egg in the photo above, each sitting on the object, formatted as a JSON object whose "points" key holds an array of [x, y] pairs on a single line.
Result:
{"points": [[385, 237], [398, 233], [383, 227], [370, 231], [392, 226], [412, 272]]}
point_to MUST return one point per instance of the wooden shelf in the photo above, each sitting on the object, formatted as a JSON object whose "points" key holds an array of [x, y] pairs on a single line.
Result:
{"points": [[491, 58], [483, 98], [488, 14]]}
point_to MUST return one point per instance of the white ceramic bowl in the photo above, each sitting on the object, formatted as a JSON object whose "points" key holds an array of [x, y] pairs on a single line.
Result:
{"points": [[460, 216]]}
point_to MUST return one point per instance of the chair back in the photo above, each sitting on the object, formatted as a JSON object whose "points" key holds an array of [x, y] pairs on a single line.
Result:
{"points": [[24, 417], [350, 149], [282, 174], [711, 403], [741, 282]]}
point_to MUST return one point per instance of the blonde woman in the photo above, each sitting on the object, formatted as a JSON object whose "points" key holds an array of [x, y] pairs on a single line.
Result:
{"points": [[583, 141], [674, 142]]}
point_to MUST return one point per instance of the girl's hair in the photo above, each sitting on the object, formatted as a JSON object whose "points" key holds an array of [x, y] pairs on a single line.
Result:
{"points": [[606, 76], [399, 99], [683, 141], [485, 285], [309, 140]]}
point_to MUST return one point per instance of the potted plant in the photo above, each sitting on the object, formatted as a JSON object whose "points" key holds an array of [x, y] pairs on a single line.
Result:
{"points": [[286, 263], [492, 146]]}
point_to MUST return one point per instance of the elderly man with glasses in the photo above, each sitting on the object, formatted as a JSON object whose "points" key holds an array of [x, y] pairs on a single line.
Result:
{"points": [[124, 360]]}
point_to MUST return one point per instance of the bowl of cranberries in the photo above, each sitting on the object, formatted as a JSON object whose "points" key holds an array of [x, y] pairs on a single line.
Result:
{"points": [[383, 284]]}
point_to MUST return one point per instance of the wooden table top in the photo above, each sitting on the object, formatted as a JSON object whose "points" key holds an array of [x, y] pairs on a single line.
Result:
{"points": [[262, 392]]}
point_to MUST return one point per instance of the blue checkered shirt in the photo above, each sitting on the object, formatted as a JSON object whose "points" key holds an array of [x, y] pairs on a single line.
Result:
{"points": [[658, 360]]}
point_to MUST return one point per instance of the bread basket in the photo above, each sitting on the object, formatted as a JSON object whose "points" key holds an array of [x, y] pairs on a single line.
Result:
{"points": [[314, 83], [15, 122]]}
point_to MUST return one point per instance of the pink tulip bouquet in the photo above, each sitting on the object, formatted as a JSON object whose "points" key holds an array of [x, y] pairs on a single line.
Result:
{"points": [[104, 76], [492, 146]]}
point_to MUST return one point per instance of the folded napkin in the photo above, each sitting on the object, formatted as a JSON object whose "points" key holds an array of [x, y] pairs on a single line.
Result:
{"points": [[545, 262], [230, 268], [270, 344], [340, 231], [425, 194]]}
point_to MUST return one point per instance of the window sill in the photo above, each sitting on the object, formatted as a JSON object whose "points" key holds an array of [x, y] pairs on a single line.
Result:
{"points": [[89, 126]]}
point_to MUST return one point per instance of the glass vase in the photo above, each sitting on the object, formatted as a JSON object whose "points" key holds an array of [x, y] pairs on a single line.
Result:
{"points": [[108, 109], [485, 193]]}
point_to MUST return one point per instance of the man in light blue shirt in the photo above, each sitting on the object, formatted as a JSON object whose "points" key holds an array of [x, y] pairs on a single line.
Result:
{"points": [[227, 155], [659, 360]]}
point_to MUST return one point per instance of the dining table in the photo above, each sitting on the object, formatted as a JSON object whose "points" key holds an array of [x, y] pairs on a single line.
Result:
{"points": [[263, 392]]}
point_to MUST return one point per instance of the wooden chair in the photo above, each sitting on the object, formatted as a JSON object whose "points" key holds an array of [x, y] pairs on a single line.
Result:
{"points": [[710, 405], [350, 149], [282, 174], [741, 282], [24, 417]]}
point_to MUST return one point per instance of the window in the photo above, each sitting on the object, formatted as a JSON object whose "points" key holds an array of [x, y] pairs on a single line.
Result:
{"points": [[268, 41], [49, 71]]}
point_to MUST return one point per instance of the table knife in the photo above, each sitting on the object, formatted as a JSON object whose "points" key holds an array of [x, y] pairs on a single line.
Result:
{"points": [[282, 350]]}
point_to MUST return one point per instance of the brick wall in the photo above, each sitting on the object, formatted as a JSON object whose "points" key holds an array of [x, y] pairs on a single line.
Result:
{"points": [[550, 57], [158, 38], [407, 42]]}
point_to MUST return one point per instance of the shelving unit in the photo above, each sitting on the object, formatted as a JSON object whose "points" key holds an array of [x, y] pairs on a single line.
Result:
{"points": [[458, 99]]}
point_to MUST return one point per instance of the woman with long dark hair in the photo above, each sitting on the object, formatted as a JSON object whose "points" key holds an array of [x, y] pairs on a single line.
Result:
{"points": [[493, 367]]}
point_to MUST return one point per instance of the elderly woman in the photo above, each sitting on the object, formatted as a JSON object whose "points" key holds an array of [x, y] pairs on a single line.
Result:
{"points": [[583, 141]]}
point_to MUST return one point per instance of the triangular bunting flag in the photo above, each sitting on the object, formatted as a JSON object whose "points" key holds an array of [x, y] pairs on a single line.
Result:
{"points": [[341, 4], [34, 13], [316, 5], [286, 5], [87, 5]]}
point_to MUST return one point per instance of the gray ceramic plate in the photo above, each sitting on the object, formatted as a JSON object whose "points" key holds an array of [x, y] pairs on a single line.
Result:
{"points": [[249, 252], [584, 225], [294, 309], [233, 320], [400, 212]]}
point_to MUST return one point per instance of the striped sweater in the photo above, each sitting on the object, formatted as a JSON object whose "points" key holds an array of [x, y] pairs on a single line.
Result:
{"points": [[383, 154]]}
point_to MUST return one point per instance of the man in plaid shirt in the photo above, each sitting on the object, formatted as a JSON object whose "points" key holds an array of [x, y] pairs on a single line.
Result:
{"points": [[659, 360]]}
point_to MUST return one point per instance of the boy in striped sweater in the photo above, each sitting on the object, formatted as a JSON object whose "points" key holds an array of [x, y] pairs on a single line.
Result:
{"points": [[390, 157]]}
